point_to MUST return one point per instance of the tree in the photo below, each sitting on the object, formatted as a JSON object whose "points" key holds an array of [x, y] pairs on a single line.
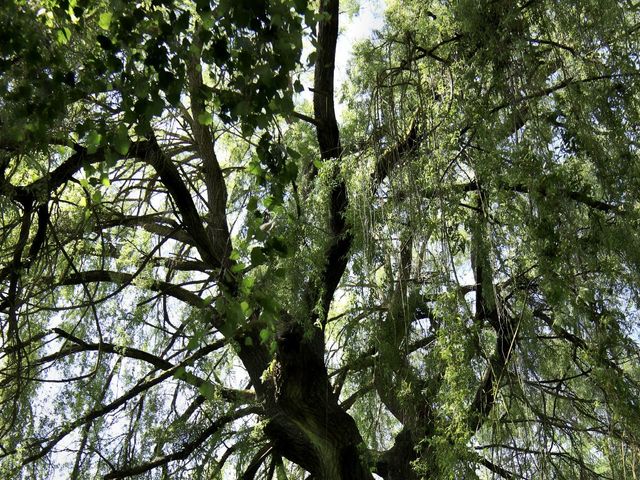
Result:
{"points": [[202, 274]]}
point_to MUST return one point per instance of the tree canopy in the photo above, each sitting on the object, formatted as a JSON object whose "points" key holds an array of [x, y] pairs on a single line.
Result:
{"points": [[205, 272]]}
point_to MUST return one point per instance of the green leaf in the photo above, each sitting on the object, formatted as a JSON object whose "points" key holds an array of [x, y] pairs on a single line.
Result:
{"points": [[257, 256], [208, 391], [245, 307], [63, 36], [180, 373], [269, 305], [121, 142], [94, 140], [105, 20], [242, 108], [278, 245], [290, 172], [110, 157], [246, 285], [254, 168], [232, 312], [311, 59], [154, 108], [300, 6], [194, 342], [269, 201], [238, 267], [205, 118], [105, 42], [265, 335], [96, 197], [294, 154]]}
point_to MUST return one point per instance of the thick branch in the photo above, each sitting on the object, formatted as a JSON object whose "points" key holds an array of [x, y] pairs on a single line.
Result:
{"points": [[336, 255], [323, 88], [497, 469], [150, 152], [156, 224], [214, 180], [121, 278], [487, 392], [82, 346]]}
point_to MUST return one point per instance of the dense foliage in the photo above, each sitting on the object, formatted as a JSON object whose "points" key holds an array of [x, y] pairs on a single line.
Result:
{"points": [[204, 274]]}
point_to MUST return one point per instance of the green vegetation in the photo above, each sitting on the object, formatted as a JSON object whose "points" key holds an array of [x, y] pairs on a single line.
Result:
{"points": [[205, 274]]}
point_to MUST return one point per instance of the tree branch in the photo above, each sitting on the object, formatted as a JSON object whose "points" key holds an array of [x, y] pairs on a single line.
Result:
{"points": [[214, 180], [150, 152], [188, 448], [121, 278], [328, 134]]}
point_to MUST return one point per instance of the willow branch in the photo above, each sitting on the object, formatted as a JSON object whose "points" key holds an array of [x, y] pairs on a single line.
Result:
{"points": [[188, 448]]}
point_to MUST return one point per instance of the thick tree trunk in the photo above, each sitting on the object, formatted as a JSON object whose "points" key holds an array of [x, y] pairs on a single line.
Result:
{"points": [[305, 421], [395, 464]]}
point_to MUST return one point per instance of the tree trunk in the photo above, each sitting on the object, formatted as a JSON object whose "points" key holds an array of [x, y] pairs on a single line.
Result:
{"points": [[305, 421]]}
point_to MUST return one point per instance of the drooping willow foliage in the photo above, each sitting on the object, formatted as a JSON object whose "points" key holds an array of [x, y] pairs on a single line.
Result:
{"points": [[204, 273]]}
